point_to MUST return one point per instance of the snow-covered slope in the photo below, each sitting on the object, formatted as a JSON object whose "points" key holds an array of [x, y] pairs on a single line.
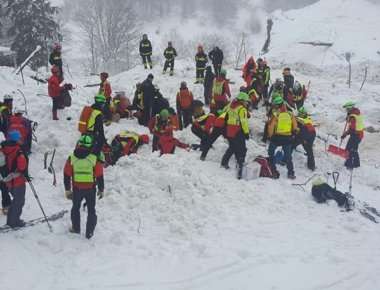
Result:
{"points": [[351, 25], [174, 222]]}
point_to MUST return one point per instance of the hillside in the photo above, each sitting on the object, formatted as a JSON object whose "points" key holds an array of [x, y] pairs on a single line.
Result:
{"points": [[177, 223]]}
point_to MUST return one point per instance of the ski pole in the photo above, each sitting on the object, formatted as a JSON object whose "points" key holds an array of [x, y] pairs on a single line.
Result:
{"points": [[39, 203]]}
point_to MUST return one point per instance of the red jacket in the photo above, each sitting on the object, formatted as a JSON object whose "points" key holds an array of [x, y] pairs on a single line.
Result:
{"points": [[158, 129], [205, 122], [54, 88], [249, 70], [16, 163], [184, 99], [105, 88]]}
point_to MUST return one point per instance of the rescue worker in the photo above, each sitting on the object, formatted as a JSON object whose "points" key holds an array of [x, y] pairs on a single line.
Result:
{"points": [[281, 129], [202, 124], [305, 136], [162, 129], [124, 144], [184, 102], [299, 94], [55, 88], [170, 54], [200, 65], [55, 58], [237, 132], [216, 56], [355, 129], [218, 130], [95, 126], [148, 91], [105, 90], [159, 102], [5, 113], [263, 75], [17, 168], [120, 106], [249, 70], [145, 50], [288, 83], [220, 92], [138, 104], [24, 126], [276, 89], [207, 85], [82, 174]]}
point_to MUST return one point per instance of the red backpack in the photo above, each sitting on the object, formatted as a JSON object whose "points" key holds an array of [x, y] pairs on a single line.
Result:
{"points": [[265, 170]]}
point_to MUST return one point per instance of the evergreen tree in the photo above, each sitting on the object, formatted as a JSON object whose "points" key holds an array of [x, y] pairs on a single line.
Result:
{"points": [[33, 24]]}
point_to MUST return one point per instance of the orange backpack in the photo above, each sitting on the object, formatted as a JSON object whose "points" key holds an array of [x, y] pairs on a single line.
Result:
{"points": [[83, 120]]}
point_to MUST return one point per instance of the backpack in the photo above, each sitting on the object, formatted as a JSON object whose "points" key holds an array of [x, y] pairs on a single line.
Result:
{"points": [[265, 170], [22, 125], [84, 118]]}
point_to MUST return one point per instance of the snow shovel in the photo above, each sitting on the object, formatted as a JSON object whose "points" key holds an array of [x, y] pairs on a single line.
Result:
{"points": [[337, 150]]}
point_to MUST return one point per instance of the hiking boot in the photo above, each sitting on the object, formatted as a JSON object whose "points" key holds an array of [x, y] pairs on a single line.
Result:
{"points": [[240, 173], [291, 176], [225, 166], [71, 230], [18, 224], [202, 158], [89, 235]]}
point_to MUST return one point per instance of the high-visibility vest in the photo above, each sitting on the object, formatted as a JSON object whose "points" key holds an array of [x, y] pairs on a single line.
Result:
{"points": [[132, 135], [91, 121], [305, 121], [284, 123], [359, 122], [233, 117], [217, 88], [83, 168]]}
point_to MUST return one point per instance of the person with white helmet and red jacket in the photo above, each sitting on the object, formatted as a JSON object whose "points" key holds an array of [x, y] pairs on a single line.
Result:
{"points": [[55, 87], [16, 166], [354, 129]]}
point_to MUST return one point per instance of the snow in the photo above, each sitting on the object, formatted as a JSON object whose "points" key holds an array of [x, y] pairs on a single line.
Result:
{"points": [[175, 222]]}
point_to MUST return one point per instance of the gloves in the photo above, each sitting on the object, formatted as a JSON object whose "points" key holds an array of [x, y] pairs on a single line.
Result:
{"points": [[100, 194], [343, 136], [69, 194], [246, 136]]}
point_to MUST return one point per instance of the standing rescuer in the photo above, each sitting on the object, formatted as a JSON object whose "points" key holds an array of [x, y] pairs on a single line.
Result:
{"points": [[237, 131], [184, 101], [281, 129], [16, 166], [200, 65], [82, 173], [170, 54], [354, 129], [145, 50]]}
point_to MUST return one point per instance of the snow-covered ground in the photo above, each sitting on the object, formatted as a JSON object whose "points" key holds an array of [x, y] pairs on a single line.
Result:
{"points": [[175, 222]]}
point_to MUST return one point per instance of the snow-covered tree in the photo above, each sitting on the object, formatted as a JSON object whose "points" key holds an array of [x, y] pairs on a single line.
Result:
{"points": [[111, 30], [33, 24]]}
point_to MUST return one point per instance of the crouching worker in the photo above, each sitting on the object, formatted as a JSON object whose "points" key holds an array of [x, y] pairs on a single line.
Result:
{"points": [[281, 129], [162, 129], [82, 173], [124, 144], [202, 124]]}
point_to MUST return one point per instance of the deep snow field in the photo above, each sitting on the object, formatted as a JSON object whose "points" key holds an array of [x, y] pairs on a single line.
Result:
{"points": [[177, 223]]}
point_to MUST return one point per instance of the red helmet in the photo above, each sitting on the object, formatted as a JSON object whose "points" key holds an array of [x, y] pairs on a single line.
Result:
{"points": [[54, 69], [144, 139]]}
